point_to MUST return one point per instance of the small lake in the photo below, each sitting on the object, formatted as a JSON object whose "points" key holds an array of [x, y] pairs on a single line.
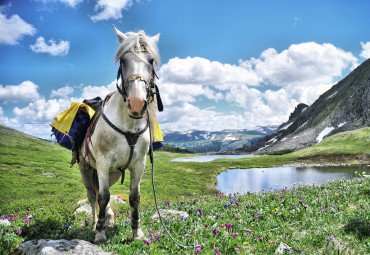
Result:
{"points": [[258, 179], [208, 158]]}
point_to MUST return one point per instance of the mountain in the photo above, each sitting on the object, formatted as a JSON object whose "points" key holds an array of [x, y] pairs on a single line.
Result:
{"points": [[344, 107], [199, 141]]}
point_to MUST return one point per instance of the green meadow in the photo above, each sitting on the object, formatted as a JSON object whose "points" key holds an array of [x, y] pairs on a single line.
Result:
{"points": [[39, 193]]}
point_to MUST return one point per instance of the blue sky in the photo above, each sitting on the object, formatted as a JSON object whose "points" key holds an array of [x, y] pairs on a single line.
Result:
{"points": [[224, 64]]}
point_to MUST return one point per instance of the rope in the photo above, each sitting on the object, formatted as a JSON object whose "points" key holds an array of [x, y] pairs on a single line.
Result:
{"points": [[155, 195]]}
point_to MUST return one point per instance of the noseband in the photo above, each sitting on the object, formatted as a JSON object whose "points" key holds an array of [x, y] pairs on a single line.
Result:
{"points": [[150, 86]]}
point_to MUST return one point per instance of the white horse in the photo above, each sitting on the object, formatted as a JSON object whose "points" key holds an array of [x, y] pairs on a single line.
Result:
{"points": [[121, 136]]}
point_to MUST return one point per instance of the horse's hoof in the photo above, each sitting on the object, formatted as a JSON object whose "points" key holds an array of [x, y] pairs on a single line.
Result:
{"points": [[100, 238], [138, 234]]}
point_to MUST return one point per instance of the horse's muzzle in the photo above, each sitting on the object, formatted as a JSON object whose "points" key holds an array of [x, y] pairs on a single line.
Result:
{"points": [[136, 107]]}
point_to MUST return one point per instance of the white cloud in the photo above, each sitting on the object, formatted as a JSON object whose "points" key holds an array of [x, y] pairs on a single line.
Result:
{"points": [[110, 9], [13, 29], [95, 91], [26, 91], [52, 48], [305, 64], [365, 50], [62, 92], [72, 3], [205, 72]]}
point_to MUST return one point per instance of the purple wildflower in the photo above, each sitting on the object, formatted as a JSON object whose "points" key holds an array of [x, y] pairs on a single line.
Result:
{"points": [[200, 213], [301, 202], [157, 236], [251, 206], [215, 231], [260, 238], [167, 203], [197, 250], [234, 234], [28, 213], [66, 226], [147, 242], [217, 252], [229, 226], [249, 231], [19, 232], [237, 246], [206, 225], [28, 220], [281, 197]]}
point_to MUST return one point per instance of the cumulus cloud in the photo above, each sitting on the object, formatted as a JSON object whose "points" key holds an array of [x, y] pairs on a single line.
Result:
{"points": [[26, 91], [13, 29], [365, 50], [305, 64], [205, 72], [54, 49], [110, 9], [63, 92]]}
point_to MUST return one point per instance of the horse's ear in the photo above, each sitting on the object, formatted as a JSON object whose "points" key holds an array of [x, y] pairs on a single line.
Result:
{"points": [[121, 36], [155, 38]]}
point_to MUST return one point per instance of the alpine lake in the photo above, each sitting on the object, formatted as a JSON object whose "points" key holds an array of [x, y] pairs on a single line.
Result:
{"points": [[269, 179]]}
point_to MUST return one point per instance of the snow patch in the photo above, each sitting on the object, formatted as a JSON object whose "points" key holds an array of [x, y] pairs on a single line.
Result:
{"points": [[229, 137], [332, 95], [341, 124], [272, 140], [323, 133], [286, 126]]}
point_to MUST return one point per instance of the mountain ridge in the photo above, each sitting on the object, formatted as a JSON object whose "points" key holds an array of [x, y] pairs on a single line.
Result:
{"points": [[343, 107]]}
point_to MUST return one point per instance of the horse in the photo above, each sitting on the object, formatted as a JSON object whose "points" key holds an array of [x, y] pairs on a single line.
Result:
{"points": [[121, 138]]}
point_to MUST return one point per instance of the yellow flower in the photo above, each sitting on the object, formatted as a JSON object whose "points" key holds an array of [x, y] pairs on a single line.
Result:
{"points": [[275, 210], [336, 194]]}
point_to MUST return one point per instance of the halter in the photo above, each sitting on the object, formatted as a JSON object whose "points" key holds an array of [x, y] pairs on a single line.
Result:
{"points": [[150, 86]]}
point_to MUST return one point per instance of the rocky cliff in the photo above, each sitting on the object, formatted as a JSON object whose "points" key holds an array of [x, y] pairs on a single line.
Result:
{"points": [[346, 106]]}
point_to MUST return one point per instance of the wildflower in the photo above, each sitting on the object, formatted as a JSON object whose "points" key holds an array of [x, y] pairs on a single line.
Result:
{"points": [[258, 214], [200, 213], [260, 238], [281, 197], [251, 206], [200, 197], [19, 232], [66, 226], [301, 202], [168, 220], [147, 242], [275, 210], [305, 206], [334, 206], [245, 243], [28, 220], [234, 234], [167, 203], [157, 236], [86, 223], [249, 231], [197, 250], [181, 202], [217, 252], [222, 226], [229, 226], [28, 213], [330, 239], [206, 225], [127, 222], [237, 246], [215, 231]]}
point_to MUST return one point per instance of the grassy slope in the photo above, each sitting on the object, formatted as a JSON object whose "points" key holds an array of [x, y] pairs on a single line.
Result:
{"points": [[26, 163]]}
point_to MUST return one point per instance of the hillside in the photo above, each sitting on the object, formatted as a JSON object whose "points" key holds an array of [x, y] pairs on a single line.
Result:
{"points": [[215, 141], [344, 107]]}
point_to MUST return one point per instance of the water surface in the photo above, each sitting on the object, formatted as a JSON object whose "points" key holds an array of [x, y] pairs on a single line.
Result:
{"points": [[207, 158], [258, 179]]}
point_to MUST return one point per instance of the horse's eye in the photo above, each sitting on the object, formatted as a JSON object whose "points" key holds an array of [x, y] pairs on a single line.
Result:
{"points": [[151, 61]]}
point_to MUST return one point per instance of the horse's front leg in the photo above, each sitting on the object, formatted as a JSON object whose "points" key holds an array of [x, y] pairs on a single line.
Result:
{"points": [[103, 200], [134, 198]]}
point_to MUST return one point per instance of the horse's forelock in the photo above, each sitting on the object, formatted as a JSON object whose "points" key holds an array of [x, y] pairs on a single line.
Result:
{"points": [[135, 40]]}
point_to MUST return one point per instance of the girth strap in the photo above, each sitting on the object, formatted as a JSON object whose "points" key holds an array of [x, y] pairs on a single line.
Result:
{"points": [[131, 140]]}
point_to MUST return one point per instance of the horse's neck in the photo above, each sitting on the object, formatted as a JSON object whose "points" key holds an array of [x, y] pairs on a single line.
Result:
{"points": [[116, 111]]}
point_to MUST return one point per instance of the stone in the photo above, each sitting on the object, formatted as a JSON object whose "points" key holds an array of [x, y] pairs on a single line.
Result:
{"points": [[60, 247], [165, 213], [5, 222], [283, 247]]}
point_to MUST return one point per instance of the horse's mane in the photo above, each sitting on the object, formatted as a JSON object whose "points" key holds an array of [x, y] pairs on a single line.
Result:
{"points": [[137, 41]]}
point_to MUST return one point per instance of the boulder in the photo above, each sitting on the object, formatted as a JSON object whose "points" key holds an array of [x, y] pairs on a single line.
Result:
{"points": [[60, 247], [283, 247], [165, 213]]}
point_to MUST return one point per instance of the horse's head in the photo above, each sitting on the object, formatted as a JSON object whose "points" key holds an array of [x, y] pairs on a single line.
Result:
{"points": [[137, 55]]}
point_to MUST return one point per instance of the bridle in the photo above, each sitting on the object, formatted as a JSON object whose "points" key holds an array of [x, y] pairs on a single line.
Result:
{"points": [[151, 88]]}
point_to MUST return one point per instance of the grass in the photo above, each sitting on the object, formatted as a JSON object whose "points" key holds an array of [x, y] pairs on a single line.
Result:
{"points": [[35, 177]]}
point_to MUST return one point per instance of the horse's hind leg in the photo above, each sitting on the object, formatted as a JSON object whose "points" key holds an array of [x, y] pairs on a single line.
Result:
{"points": [[134, 198]]}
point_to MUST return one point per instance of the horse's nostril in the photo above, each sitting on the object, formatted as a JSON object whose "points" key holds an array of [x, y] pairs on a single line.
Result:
{"points": [[135, 113], [129, 106]]}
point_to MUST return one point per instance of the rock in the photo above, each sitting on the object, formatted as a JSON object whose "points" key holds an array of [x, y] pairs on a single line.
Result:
{"points": [[5, 222], [60, 247], [282, 248], [85, 207], [169, 212]]}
